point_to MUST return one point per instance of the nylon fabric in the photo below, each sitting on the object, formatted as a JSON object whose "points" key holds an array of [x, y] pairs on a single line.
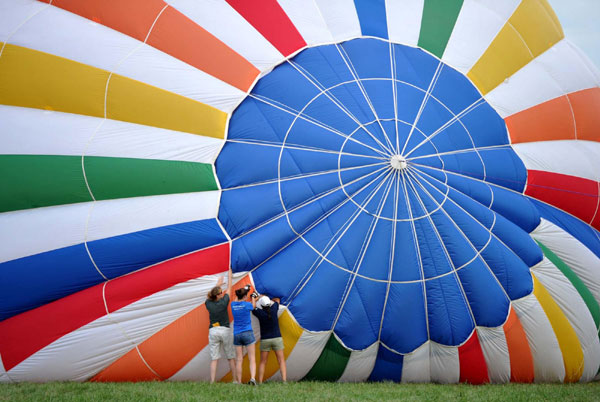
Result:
{"points": [[115, 333], [26, 333], [360, 364], [573, 253], [548, 363], [168, 24], [36, 79], [571, 116], [29, 131], [304, 355], [584, 233], [404, 20], [521, 360], [561, 70], [307, 19], [160, 355], [62, 33], [69, 270], [32, 183], [236, 33], [351, 228], [371, 15], [340, 17], [583, 291], [473, 369], [531, 30], [272, 22], [566, 336], [68, 225], [574, 309], [388, 366], [495, 350], [410, 156], [416, 367], [444, 363], [477, 25], [438, 22], [578, 155], [331, 364]]}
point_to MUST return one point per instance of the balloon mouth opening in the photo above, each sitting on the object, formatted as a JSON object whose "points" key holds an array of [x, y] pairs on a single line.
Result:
{"points": [[398, 162]]}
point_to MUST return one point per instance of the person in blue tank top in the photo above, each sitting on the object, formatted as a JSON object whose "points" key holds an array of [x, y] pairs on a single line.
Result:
{"points": [[242, 331], [270, 335]]}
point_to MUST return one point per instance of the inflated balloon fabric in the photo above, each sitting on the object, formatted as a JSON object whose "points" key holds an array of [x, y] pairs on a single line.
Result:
{"points": [[417, 181]]}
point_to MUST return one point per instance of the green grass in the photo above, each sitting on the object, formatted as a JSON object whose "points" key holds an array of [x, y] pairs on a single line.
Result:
{"points": [[301, 391]]}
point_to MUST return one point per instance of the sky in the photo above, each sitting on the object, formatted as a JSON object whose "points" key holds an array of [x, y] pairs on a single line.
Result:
{"points": [[580, 20]]}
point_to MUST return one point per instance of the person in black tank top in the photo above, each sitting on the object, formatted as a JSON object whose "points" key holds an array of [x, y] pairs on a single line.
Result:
{"points": [[270, 335]]}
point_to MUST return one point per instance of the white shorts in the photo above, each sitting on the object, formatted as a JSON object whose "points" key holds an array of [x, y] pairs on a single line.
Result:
{"points": [[221, 336]]}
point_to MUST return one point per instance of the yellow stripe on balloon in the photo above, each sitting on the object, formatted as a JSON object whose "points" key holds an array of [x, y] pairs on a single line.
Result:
{"points": [[29, 78], [530, 31], [565, 334], [34, 79], [290, 332]]}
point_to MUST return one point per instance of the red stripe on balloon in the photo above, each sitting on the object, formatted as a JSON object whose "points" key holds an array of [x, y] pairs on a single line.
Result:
{"points": [[25, 334], [268, 18], [575, 195], [473, 368]]}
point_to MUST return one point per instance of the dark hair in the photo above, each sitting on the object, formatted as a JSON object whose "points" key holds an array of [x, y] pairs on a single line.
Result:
{"points": [[241, 293], [268, 308], [214, 292]]}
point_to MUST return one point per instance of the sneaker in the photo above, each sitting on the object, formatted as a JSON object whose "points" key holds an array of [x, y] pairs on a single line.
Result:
{"points": [[252, 381]]}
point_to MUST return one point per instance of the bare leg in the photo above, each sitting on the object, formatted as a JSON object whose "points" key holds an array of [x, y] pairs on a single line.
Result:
{"points": [[261, 366], [252, 360], [282, 366], [213, 370], [233, 370], [239, 357]]}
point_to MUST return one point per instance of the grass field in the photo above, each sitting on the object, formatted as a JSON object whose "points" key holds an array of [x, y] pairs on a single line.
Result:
{"points": [[301, 391]]}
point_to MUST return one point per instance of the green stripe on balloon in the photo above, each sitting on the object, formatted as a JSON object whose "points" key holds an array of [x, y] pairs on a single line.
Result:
{"points": [[437, 23], [331, 364], [111, 178], [33, 181], [583, 291]]}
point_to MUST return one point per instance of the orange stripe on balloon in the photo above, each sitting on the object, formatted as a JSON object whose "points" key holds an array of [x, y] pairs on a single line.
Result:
{"points": [[172, 33], [129, 367], [586, 108], [132, 17], [182, 38], [572, 116], [521, 360], [473, 368], [551, 120], [167, 351]]}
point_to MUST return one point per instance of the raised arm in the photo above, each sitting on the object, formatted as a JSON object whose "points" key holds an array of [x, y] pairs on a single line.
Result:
{"points": [[219, 282], [229, 281]]}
